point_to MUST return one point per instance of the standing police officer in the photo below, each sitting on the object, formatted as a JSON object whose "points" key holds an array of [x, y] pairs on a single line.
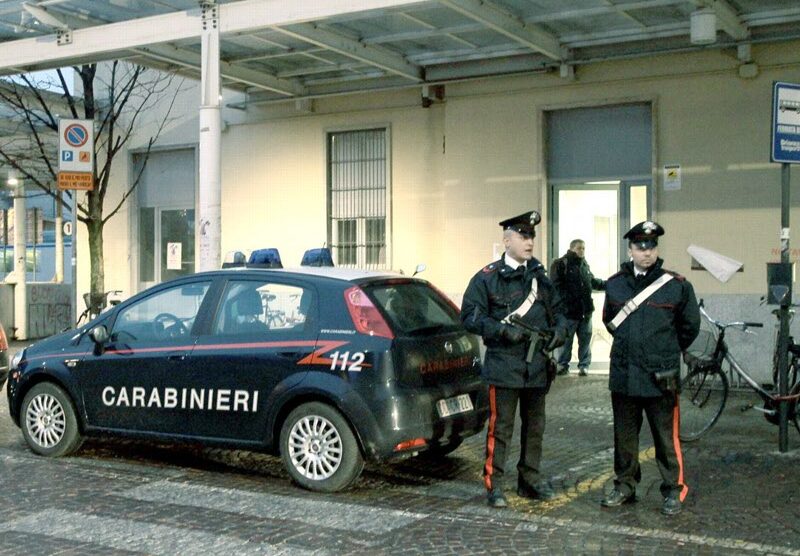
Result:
{"points": [[515, 366], [653, 315]]}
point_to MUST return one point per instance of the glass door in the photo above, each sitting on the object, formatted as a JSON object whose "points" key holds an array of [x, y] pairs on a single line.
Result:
{"points": [[166, 244], [598, 213], [177, 243]]}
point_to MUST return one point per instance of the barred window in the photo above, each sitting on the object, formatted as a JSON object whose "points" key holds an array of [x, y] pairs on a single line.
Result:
{"points": [[357, 199]]}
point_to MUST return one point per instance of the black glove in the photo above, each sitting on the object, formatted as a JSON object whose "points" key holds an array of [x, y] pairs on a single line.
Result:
{"points": [[512, 334], [558, 339]]}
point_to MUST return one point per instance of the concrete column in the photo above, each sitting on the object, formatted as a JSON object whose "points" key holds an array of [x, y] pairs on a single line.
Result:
{"points": [[207, 242], [21, 282]]}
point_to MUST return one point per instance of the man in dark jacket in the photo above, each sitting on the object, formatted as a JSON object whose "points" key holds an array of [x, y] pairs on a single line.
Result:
{"points": [[574, 281], [650, 331], [515, 366]]}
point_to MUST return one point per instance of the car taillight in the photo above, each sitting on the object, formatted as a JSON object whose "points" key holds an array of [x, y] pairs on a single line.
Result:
{"points": [[3, 339], [365, 315]]}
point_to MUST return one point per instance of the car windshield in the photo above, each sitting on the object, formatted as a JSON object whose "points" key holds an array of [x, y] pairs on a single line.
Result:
{"points": [[414, 308]]}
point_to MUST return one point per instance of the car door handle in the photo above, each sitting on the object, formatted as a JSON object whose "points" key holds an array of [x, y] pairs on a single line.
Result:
{"points": [[290, 354], [176, 357]]}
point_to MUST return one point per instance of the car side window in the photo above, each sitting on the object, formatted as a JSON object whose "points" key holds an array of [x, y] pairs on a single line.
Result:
{"points": [[168, 314], [258, 308]]}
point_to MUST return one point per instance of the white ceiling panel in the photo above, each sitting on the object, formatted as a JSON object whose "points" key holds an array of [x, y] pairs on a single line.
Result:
{"points": [[307, 48]]}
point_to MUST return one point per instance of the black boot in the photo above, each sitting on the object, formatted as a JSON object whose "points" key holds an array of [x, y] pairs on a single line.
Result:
{"points": [[617, 498], [496, 499], [542, 491]]}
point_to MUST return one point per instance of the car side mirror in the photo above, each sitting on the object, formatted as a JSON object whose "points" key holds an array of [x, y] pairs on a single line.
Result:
{"points": [[99, 334]]}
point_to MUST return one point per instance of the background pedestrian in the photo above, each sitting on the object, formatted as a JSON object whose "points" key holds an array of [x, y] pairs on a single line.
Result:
{"points": [[574, 280]]}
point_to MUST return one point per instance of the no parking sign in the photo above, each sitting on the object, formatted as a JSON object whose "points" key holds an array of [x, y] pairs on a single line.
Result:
{"points": [[76, 154]]}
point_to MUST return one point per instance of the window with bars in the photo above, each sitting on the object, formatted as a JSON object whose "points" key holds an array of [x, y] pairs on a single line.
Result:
{"points": [[357, 200]]}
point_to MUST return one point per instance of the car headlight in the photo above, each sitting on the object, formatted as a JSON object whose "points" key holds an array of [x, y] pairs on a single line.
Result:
{"points": [[16, 359]]}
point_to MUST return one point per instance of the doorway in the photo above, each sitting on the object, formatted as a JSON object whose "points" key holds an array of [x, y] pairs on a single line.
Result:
{"points": [[599, 171], [166, 216], [599, 214]]}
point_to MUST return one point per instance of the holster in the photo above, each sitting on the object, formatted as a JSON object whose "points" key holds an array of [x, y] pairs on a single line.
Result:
{"points": [[668, 381]]}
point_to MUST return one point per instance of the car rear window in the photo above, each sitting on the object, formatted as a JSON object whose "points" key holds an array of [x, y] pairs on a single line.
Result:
{"points": [[414, 308]]}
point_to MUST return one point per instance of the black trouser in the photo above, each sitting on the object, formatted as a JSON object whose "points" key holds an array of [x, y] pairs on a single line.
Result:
{"points": [[663, 415], [503, 410]]}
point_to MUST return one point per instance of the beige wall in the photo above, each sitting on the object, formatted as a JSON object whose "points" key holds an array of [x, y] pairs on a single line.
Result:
{"points": [[459, 167], [274, 183]]}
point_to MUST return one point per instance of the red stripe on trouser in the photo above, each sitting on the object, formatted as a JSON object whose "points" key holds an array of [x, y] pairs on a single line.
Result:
{"points": [[488, 468], [676, 443]]}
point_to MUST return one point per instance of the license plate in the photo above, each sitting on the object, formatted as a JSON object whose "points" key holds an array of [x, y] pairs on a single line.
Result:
{"points": [[453, 406]]}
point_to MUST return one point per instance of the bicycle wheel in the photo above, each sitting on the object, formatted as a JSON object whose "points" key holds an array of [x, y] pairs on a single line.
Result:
{"points": [[794, 406], [704, 392]]}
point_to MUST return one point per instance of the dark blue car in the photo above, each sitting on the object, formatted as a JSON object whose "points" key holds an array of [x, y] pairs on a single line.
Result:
{"points": [[327, 367]]}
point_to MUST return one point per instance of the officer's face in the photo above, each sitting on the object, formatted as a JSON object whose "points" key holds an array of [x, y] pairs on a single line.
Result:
{"points": [[519, 247], [643, 258]]}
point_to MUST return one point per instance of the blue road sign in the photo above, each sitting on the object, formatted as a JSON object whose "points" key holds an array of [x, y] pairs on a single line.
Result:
{"points": [[785, 123], [66, 156]]}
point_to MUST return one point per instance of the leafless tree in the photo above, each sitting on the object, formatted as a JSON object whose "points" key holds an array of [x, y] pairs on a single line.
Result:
{"points": [[115, 98]]}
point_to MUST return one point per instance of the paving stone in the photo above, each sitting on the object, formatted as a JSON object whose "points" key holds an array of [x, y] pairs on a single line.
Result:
{"points": [[124, 497]]}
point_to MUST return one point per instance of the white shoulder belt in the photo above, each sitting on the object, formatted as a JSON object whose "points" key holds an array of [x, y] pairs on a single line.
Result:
{"points": [[632, 304]]}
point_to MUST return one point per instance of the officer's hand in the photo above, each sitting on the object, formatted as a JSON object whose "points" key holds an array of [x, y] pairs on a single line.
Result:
{"points": [[512, 334], [558, 339]]}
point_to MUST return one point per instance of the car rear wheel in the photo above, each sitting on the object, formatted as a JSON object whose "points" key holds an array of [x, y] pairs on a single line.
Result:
{"points": [[49, 424], [319, 449]]}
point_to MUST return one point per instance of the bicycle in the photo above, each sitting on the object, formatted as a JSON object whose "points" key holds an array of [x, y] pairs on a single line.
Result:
{"points": [[105, 301], [704, 389]]}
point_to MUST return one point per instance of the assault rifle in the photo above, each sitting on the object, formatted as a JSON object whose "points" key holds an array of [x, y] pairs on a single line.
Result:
{"points": [[539, 338]]}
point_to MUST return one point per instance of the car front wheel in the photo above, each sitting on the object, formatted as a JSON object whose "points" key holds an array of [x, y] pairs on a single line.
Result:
{"points": [[319, 449], [49, 424]]}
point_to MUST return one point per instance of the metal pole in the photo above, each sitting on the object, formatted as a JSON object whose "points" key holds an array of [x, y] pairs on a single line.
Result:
{"points": [[208, 242], [74, 258], [58, 276], [783, 335]]}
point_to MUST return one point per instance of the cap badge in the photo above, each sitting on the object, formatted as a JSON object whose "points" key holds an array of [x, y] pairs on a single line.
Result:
{"points": [[649, 227]]}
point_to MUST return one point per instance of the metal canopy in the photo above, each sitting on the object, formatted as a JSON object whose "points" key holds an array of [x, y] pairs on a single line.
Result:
{"points": [[283, 49]]}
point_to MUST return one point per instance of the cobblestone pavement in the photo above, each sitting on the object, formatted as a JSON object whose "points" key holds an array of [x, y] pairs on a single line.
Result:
{"points": [[123, 497]]}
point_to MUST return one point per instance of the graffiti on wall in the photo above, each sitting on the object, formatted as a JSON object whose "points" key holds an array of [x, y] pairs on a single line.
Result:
{"points": [[49, 309]]}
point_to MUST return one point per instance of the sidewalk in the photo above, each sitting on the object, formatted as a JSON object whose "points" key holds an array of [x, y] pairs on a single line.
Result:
{"points": [[744, 496]]}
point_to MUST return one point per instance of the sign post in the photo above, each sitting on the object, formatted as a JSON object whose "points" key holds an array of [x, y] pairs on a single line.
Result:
{"points": [[786, 150], [75, 172]]}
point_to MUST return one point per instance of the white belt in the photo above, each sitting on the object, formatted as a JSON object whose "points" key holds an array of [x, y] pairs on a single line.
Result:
{"points": [[632, 304], [523, 309]]}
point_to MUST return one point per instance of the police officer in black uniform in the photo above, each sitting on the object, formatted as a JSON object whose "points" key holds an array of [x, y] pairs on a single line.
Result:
{"points": [[645, 364], [515, 366]]}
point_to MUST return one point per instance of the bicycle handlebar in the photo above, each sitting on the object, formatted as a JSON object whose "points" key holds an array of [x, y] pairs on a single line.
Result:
{"points": [[737, 324]]}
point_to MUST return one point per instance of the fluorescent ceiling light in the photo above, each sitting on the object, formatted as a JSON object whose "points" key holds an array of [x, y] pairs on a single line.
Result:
{"points": [[607, 182]]}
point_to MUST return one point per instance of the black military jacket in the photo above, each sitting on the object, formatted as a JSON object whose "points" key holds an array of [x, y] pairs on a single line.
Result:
{"points": [[574, 280], [652, 337], [493, 293]]}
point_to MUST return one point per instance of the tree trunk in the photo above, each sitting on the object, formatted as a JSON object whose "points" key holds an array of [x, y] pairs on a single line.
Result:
{"points": [[97, 270]]}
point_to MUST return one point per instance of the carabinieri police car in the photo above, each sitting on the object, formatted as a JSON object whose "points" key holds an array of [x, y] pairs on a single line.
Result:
{"points": [[327, 367]]}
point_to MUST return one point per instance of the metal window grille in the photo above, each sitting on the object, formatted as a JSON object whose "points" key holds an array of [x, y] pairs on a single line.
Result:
{"points": [[357, 200]]}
